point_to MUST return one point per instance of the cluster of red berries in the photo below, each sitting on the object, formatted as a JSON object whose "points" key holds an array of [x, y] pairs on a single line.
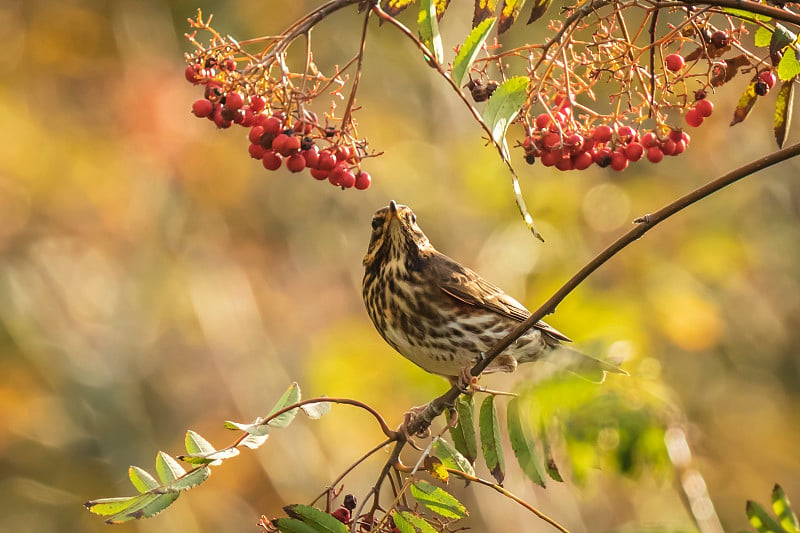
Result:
{"points": [[602, 145], [275, 138], [344, 513]]}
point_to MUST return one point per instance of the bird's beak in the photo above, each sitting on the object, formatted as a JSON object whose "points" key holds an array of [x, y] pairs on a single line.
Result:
{"points": [[392, 209]]}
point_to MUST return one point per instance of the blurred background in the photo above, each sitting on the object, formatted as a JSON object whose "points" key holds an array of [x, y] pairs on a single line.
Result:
{"points": [[154, 279]]}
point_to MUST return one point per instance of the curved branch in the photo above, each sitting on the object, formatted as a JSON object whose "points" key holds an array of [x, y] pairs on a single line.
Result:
{"points": [[643, 225]]}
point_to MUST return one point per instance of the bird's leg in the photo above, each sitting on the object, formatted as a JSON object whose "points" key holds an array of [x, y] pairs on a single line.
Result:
{"points": [[409, 417], [465, 381]]}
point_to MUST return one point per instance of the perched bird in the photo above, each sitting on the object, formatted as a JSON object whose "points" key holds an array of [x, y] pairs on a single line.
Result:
{"points": [[441, 315]]}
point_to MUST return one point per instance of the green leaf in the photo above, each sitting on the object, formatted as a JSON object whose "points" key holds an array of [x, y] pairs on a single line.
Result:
{"points": [[190, 480], [257, 428], [780, 39], [463, 434], [483, 10], [292, 525], [540, 7], [168, 468], [746, 102], [316, 410], [111, 506], [438, 500], [468, 51], [760, 520], [436, 468], [491, 445], [451, 457], [393, 7], [291, 396], [782, 508], [428, 28], [523, 446], [196, 444], [763, 36], [410, 523], [254, 441], [147, 508], [319, 520], [783, 112], [550, 465], [212, 458], [503, 106], [509, 10], [789, 65], [744, 14], [142, 480]]}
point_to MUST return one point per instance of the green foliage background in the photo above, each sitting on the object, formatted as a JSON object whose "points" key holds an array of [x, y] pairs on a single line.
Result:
{"points": [[153, 278]]}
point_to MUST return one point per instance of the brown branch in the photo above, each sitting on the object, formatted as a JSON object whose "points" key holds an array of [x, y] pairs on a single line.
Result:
{"points": [[643, 225], [350, 468]]}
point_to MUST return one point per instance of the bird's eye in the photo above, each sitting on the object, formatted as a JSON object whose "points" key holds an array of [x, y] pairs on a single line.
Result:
{"points": [[376, 223]]}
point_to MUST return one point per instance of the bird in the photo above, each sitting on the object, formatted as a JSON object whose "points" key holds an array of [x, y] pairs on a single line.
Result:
{"points": [[443, 316]]}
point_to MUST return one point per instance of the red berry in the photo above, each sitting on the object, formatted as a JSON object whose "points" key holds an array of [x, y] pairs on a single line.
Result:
{"points": [[654, 154], [256, 152], [279, 143], [549, 159], [619, 161], [668, 147], [649, 139], [705, 107], [626, 133], [234, 100], [680, 146], [255, 134], [582, 161], [311, 156], [342, 514], [602, 157], [634, 151], [685, 137], [326, 161], [335, 174], [676, 135], [574, 142], [694, 118], [543, 121], [319, 174], [228, 64], [259, 119], [674, 62], [220, 120], [271, 160], [719, 39], [588, 143], [347, 179], [258, 103], [363, 180], [272, 125], [550, 140], [769, 78], [291, 146], [202, 108], [303, 128], [564, 163], [602, 133], [192, 74], [296, 163]]}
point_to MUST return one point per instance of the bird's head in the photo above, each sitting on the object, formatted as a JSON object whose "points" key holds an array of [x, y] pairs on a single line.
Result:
{"points": [[395, 234]]}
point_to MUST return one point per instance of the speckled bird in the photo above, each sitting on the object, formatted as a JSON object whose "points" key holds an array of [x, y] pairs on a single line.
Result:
{"points": [[443, 316]]}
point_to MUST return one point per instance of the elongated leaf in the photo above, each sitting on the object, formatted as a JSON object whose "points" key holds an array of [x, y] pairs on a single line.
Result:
{"points": [[540, 7], [744, 14], [428, 28], [258, 428], [780, 38], [319, 520], [150, 507], [760, 520], [782, 508], [470, 50], [141, 479], [483, 10], [168, 468], [438, 500], [762, 37], [451, 457], [746, 103], [410, 523], [436, 468], [196, 444], [393, 7], [292, 395], [464, 438], [111, 506], [783, 111], [509, 11], [293, 525], [213, 458], [441, 7], [789, 66], [503, 106], [550, 465], [190, 480], [523, 446], [254, 441], [316, 410], [491, 445]]}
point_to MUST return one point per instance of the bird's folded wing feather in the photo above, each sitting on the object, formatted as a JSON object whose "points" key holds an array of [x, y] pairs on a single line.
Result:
{"points": [[468, 287]]}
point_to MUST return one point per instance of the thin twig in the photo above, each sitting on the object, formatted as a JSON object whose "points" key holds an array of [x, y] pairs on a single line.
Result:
{"points": [[352, 467]]}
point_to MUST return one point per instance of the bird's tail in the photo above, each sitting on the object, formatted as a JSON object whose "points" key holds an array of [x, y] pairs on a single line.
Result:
{"points": [[581, 364]]}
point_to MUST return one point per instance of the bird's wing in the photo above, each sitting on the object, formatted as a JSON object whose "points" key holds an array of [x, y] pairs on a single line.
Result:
{"points": [[468, 287]]}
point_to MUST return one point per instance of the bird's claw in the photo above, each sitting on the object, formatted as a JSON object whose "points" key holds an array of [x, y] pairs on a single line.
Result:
{"points": [[408, 419]]}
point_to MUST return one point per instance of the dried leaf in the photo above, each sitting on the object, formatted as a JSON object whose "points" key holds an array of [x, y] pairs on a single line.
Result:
{"points": [[394, 7], [540, 7], [746, 103], [483, 10], [782, 508], [509, 10], [783, 111]]}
